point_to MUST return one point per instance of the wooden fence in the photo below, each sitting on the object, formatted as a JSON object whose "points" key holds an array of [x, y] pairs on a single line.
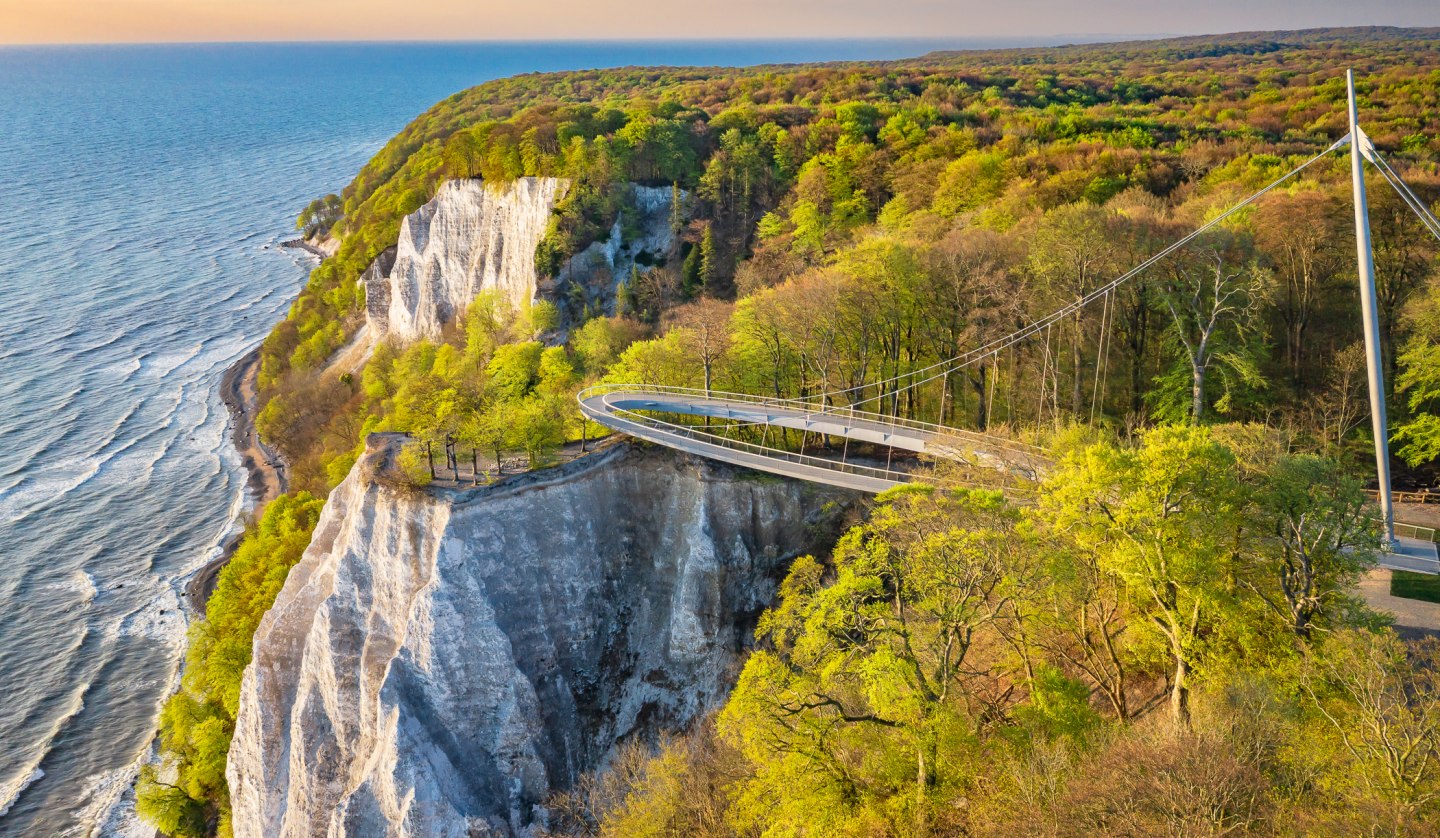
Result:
{"points": [[1422, 496]]}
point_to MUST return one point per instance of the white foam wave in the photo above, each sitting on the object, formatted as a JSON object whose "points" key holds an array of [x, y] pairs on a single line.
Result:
{"points": [[162, 364], [10, 792], [78, 582], [55, 482], [160, 619], [31, 773]]}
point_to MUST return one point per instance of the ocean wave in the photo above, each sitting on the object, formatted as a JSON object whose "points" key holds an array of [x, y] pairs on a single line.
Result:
{"points": [[107, 342], [161, 364], [32, 773], [31, 493], [162, 619], [109, 808], [78, 582], [10, 792]]}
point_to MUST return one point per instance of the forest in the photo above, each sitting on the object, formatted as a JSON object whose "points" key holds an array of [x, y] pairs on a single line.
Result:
{"points": [[1163, 636]]}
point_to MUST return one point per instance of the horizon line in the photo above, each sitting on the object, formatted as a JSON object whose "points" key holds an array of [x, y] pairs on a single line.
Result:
{"points": [[1053, 40]]}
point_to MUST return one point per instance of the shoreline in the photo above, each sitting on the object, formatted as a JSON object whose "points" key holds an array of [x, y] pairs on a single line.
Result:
{"points": [[266, 471], [305, 245]]}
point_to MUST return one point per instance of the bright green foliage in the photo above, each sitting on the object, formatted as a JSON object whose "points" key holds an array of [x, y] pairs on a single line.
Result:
{"points": [[415, 464], [874, 671], [188, 796], [950, 670], [600, 341], [1419, 437]]}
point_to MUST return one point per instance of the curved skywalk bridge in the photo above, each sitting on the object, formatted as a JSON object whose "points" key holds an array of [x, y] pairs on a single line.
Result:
{"points": [[632, 409]]}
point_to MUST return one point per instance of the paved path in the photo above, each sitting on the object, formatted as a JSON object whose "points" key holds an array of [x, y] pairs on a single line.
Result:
{"points": [[1409, 613]]}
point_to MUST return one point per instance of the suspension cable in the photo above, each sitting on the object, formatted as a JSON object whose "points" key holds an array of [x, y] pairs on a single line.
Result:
{"points": [[1413, 201], [971, 356]]}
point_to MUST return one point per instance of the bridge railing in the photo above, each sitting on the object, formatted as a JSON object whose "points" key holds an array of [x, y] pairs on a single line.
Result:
{"points": [[697, 434], [1415, 531], [814, 408]]}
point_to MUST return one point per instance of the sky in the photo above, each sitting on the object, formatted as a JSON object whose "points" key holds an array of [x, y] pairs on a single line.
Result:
{"points": [[146, 21]]}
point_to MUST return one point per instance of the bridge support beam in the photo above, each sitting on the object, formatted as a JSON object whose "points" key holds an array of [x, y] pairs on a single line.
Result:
{"points": [[1369, 309]]}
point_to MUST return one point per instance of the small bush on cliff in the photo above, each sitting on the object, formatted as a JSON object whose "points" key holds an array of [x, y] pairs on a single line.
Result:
{"points": [[414, 465], [187, 795]]}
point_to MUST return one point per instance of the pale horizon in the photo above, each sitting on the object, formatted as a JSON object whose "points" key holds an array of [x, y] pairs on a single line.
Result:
{"points": [[60, 22]]}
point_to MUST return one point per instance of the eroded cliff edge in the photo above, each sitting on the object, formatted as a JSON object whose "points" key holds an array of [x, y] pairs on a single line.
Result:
{"points": [[439, 662]]}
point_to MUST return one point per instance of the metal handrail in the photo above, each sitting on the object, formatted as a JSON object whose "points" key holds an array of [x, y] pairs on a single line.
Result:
{"points": [[1415, 531], [811, 409], [623, 416], [693, 434]]}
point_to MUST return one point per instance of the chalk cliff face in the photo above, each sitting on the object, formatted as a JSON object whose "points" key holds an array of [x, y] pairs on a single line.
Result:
{"points": [[438, 663], [469, 238]]}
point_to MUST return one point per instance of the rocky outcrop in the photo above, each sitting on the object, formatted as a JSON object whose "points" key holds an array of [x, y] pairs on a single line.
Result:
{"points": [[595, 273], [469, 238], [438, 663], [376, 281]]}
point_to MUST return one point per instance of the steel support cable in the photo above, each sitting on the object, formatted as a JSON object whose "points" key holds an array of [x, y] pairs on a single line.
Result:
{"points": [[971, 356], [1403, 189], [1412, 201], [1406, 194]]}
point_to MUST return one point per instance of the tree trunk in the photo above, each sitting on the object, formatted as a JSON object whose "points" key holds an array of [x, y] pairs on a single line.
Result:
{"points": [[1197, 393], [1078, 361], [1180, 691]]}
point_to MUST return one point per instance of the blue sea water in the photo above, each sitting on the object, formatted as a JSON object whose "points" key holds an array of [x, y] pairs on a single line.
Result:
{"points": [[143, 193]]}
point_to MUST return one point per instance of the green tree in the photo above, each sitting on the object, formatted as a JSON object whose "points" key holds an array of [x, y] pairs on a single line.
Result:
{"points": [[1314, 538], [885, 658], [1159, 517], [709, 261], [1213, 295]]}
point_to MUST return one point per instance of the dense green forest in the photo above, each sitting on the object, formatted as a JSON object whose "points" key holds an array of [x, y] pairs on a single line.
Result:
{"points": [[1165, 640]]}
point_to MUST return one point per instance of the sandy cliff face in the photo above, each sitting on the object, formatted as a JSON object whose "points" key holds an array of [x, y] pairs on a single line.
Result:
{"points": [[469, 238], [436, 665]]}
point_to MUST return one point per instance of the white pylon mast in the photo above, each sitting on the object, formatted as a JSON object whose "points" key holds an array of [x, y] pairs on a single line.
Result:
{"points": [[1369, 309]]}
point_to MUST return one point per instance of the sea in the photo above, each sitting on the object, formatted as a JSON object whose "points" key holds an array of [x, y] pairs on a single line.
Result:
{"points": [[144, 193]]}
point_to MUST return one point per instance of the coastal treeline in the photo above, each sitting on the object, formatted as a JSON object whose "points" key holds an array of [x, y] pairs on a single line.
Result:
{"points": [[1177, 597]]}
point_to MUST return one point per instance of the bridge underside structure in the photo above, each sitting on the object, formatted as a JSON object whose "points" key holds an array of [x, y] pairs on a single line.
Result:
{"points": [[636, 409]]}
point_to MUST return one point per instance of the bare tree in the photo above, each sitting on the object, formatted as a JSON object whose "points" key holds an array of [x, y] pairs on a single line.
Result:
{"points": [[1386, 711], [707, 328], [1212, 294]]}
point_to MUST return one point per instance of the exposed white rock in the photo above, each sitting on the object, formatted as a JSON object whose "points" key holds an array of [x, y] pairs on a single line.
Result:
{"points": [[470, 237], [600, 268], [436, 664]]}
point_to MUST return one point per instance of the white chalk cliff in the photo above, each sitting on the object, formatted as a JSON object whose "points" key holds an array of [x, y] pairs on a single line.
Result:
{"points": [[473, 237], [438, 663]]}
